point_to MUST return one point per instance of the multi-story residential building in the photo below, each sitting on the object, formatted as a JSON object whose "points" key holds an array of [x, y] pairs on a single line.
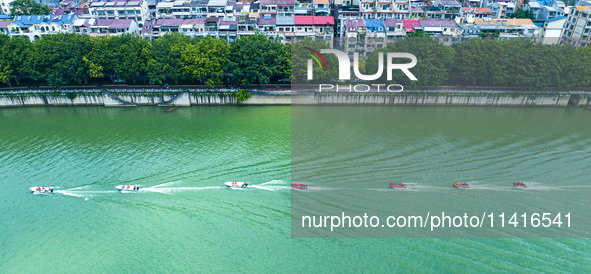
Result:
{"points": [[382, 9], [216, 8], [321, 7], [120, 9], [247, 24], [315, 27], [502, 9], [451, 8], [286, 28], [182, 9], [394, 29], [577, 28], [508, 28], [113, 27], [353, 37], [552, 30], [35, 26], [477, 12], [5, 6], [228, 28], [375, 37], [440, 27], [277, 7], [341, 13]]}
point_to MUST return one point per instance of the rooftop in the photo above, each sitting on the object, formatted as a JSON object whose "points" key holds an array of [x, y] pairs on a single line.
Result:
{"points": [[113, 23], [438, 23], [314, 20], [477, 10]]}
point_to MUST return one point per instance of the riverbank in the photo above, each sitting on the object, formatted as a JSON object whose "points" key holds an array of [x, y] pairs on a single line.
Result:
{"points": [[186, 98]]}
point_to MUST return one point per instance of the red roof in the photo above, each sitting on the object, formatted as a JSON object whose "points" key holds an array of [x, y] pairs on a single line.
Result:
{"points": [[477, 10], [314, 20], [409, 24]]}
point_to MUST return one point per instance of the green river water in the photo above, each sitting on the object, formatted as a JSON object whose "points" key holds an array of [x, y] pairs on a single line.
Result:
{"points": [[184, 220]]}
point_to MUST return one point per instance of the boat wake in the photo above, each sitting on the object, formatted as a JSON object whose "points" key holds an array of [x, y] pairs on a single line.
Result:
{"points": [[170, 190], [74, 194], [274, 185]]}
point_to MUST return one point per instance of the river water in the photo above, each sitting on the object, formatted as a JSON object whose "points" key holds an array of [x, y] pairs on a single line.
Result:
{"points": [[184, 219]]}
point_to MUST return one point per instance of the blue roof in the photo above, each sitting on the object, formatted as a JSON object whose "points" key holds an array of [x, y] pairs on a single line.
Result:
{"points": [[5, 16], [374, 24], [538, 24], [28, 20], [555, 18], [542, 3]]}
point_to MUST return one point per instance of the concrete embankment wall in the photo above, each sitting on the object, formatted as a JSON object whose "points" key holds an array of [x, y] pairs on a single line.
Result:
{"points": [[581, 101], [187, 99], [116, 100], [436, 99]]}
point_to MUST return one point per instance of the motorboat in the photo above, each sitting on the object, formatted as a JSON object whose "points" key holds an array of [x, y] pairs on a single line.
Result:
{"points": [[299, 186], [235, 184], [397, 185], [520, 185], [41, 190], [171, 109], [461, 185], [128, 188]]}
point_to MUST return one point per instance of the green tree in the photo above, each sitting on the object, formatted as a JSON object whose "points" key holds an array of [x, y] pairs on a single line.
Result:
{"points": [[242, 95], [122, 57], [434, 61], [417, 33], [520, 13], [301, 53], [59, 58], [205, 60], [166, 58], [255, 59], [16, 52], [28, 7]]}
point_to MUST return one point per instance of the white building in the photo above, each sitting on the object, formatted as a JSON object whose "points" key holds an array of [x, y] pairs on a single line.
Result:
{"points": [[577, 28], [552, 30], [120, 9], [35, 26]]}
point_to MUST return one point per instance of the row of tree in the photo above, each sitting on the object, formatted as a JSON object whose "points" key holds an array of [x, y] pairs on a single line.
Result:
{"points": [[63, 59], [479, 62]]}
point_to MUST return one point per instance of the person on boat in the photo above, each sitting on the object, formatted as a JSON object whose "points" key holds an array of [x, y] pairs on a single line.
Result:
{"points": [[50, 189], [38, 188], [245, 185]]}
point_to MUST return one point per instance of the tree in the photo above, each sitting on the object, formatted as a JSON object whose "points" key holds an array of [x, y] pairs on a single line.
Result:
{"points": [[28, 7], [434, 61], [255, 59], [166, 58], [205, 60], [59, 58], [417, 33], [242, 95], [520, 13], [15, 52], [301, 52], [122, 57]]}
